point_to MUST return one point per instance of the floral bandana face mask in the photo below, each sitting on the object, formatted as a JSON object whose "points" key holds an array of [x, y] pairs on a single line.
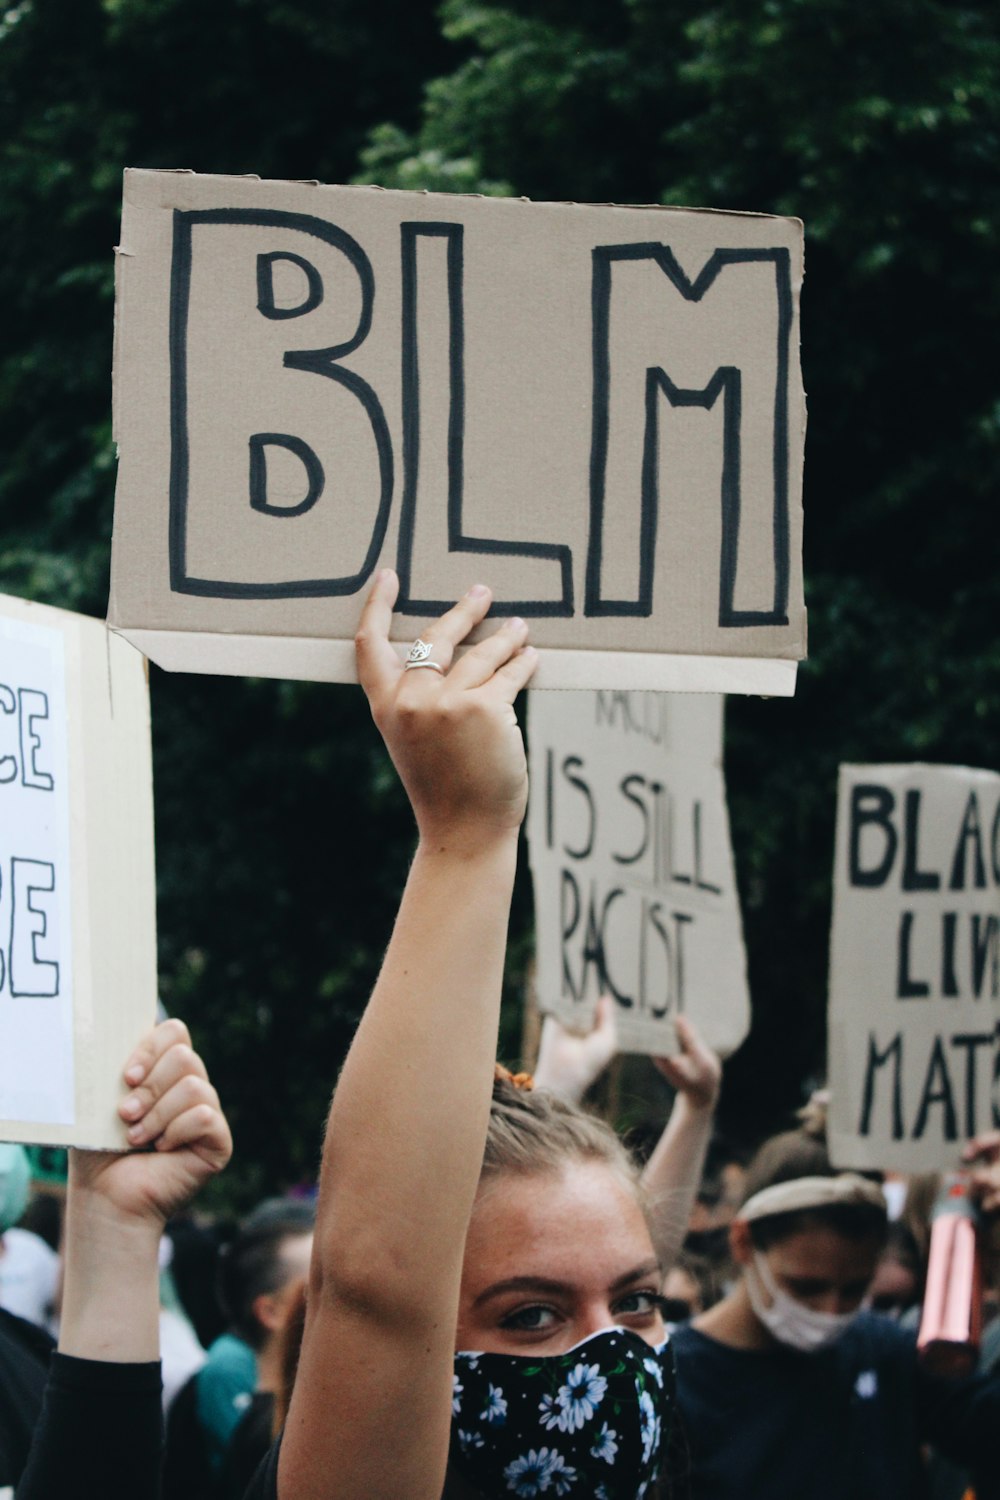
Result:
{"points": [[592, 1422]]}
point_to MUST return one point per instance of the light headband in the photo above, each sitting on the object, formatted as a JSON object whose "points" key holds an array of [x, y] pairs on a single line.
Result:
{"points": [[848, 1189]]}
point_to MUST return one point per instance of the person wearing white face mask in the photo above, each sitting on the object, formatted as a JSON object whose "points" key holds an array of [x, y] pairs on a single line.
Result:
{"points": [[790, 1388], [817, 1309]]}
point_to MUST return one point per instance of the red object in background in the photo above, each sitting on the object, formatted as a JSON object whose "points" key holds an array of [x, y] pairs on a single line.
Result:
{"points": [[950, 1326]]}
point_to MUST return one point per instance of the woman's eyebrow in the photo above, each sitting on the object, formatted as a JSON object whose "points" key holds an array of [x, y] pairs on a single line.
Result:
{"points": [[648, 1268], [522, 1284], [547, 1287]]}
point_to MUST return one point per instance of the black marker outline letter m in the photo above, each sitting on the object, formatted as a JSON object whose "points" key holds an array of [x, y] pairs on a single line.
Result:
{"points": [[727, 382]]}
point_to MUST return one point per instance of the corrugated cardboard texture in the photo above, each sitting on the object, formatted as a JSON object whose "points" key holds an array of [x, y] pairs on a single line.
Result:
{"points": [[597, 410], [914, 965], [113, 956], [632, 866]]}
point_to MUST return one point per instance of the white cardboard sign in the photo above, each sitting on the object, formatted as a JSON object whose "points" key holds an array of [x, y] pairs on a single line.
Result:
{"points": [[36, 961], [914, 1004], [77, 893], [632, 865], [596, 410]]}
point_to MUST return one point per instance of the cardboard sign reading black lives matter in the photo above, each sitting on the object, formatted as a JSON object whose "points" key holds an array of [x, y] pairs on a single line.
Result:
{"points": [[596, 410], [77, 887], [632, 865], [914, 965]]}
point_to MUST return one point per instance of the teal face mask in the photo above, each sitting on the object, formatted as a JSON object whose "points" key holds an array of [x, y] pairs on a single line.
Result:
{"points": [[15, 1180]]}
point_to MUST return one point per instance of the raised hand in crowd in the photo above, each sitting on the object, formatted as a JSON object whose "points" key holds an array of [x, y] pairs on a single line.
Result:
{"points": [[100, 1432], [570, 1062], [673, 1172], [370, 1411], [466, 1225]]}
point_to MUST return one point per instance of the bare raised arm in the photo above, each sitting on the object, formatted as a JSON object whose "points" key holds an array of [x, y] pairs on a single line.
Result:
{"points": [[369, 1417], [117, 1204], [673, 1172]]}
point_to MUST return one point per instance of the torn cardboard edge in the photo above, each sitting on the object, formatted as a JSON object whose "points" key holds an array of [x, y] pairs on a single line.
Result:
{"points": [[378, 187], [305, 659]]}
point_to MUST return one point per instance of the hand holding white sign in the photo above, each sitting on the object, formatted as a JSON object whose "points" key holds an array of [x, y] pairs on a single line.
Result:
{"points": [[569, 1062], [116, 1208], [673, 1172], [695, 1071]]}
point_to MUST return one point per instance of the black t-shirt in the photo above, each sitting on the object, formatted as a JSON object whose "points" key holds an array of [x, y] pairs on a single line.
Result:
{"points": [[264, 1485], [100, 1433], [24, 1367], [848, 1421], [250, 1442]]}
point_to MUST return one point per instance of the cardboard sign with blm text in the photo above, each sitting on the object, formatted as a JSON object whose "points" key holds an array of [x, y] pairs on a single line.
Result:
{"points": [[77, 887], [596, 410], [914, 1005], [632, 866]]}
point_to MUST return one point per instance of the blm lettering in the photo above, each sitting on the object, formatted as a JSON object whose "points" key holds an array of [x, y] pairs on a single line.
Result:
{"points": [[317, 285]]}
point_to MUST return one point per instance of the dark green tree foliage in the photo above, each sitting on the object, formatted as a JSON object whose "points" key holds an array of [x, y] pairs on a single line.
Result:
{"points": [[877, 125], [282, 840]]}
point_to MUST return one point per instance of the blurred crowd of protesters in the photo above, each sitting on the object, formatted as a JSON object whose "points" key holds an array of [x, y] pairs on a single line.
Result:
{"points": [[232, 1308]]}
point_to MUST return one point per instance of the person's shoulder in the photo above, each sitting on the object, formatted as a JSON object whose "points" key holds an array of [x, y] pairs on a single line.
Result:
{"points": [[264, 1484], [23, 1335], [684, 1336], [692, 1346], [229, 1358], [873, 1339], [872, 1327]]}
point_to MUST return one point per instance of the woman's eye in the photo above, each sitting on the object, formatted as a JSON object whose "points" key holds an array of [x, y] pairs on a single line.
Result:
{"points": [[639, 1304], [533, 1318]]}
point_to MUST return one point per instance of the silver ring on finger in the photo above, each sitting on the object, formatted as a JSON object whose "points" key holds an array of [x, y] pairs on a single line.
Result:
{"points": [[419, 655], [412, 666]]}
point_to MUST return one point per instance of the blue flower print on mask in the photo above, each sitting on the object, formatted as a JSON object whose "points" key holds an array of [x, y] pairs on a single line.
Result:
{"points": [[605, 1444], [495, 1409], [587, 1422]]}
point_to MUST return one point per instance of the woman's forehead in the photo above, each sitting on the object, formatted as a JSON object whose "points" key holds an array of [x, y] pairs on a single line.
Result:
{"points": [[584, 1220], [819, 1250]]}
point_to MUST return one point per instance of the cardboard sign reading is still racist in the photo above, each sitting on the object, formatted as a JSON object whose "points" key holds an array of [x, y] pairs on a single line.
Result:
{"points": [[77, 890], [914, 1021], [632, 865], [596, 410]]}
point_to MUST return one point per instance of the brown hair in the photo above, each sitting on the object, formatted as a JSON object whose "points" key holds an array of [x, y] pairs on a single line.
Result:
{"points": [[786, 1157], [803, 1153], [533, 1131]]}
